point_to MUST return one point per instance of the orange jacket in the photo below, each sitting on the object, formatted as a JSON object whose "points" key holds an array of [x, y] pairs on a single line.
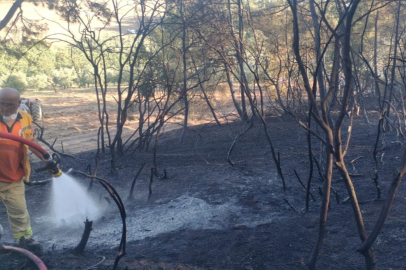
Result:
{"points": [[26, 132]]}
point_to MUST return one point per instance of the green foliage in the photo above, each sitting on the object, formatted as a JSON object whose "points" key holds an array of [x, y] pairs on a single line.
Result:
{"points": [[17, 81], [37, 82], [33, 65], [62, 58], [84, 78], [64, 77], [30, 58], [71, 11], [112, 76]]}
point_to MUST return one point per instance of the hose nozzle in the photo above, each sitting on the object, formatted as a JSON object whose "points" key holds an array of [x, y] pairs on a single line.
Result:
{"points": [[52, 165], [55, 175]]}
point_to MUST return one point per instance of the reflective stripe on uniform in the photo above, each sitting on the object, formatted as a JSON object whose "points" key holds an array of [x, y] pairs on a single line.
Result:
{"points": [[25, 128], [21, 234]]}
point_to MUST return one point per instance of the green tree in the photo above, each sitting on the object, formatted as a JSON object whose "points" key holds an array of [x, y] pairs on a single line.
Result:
{"points": [[17, 81], [64, 77], [37, 82]]}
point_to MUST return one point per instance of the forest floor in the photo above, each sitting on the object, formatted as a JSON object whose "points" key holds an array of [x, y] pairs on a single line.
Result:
{"points": [[208, 214]]}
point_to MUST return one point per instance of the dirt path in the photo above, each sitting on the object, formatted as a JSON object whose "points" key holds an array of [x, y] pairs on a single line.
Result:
{"points": [[71, 117]]}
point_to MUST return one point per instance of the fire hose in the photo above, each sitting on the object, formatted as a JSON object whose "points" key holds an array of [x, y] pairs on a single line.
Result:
{"points": [[51, 161], [37, 261], [34, 258]]}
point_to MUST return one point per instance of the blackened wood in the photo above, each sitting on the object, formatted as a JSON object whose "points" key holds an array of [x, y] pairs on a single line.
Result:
{"points": [[85, 237], [150, 183], [307, 191], [130, 196]]}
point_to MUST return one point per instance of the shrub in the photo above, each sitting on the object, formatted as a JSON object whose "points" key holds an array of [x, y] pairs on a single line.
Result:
{"points": [[17, 81], [64, 77], [37, 82]]}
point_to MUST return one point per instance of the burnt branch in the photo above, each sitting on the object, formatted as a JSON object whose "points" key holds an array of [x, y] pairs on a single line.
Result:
{"points": [[300, 181], [151, 179], [130, 196], [291, 206], [367, 245], [198, 137], [96, 160], [85, 237], [336, 195], [375, 153], [235, 141], [117, 199], [41, 139]]}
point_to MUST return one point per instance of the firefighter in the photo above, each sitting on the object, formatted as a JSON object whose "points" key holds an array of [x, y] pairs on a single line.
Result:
{"points": [[15, 167]]}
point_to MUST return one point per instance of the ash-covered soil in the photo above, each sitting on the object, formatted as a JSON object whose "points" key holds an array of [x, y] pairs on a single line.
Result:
{"points": [[208, 214]]}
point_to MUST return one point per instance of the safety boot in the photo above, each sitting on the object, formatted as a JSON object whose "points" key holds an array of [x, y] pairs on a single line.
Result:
{"points": [[31, 245]]}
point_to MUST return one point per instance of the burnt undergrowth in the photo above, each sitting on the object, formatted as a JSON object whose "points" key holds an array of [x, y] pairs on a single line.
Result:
{"points": [[220, 216]]}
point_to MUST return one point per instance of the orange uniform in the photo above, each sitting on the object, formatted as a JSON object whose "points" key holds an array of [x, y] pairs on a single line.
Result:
{"points": [[14, 165], [11, 169], [14, 162]]}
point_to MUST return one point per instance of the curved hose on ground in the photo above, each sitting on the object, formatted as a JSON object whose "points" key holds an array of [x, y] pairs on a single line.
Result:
{"points": [[28, 254], [25, 141]]}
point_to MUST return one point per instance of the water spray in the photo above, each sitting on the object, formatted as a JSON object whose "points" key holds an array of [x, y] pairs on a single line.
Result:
{"points": [[52, 161]]}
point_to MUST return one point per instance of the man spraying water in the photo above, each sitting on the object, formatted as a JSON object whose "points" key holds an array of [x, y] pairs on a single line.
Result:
{"points": [[15, 167]]}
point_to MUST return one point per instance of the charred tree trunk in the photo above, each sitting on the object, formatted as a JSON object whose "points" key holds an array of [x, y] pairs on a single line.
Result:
{"points": [[316, 28], [395, 55], [85, 237], [206, 98], [239, 56], [332, 139], [366, 247], [230, 85], [184, 87], [375, 63]]}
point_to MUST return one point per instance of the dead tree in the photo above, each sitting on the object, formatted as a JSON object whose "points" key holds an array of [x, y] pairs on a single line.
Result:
{"points": [[393, 69], [368, 242], [184, 65], [127, 50], [333, 142]]}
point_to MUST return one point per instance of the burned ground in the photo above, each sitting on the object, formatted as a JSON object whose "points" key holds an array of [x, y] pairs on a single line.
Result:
{"points": [[208, 214]]}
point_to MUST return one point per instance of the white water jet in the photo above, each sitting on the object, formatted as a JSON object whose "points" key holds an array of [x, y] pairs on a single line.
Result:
{"points": [[71, 203]]}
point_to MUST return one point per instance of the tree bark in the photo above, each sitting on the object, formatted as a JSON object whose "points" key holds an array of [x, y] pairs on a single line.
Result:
{"points": [[316, 28], [184, 89], [17, 4], [395, 55], [238, 47], [377, 91]]}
